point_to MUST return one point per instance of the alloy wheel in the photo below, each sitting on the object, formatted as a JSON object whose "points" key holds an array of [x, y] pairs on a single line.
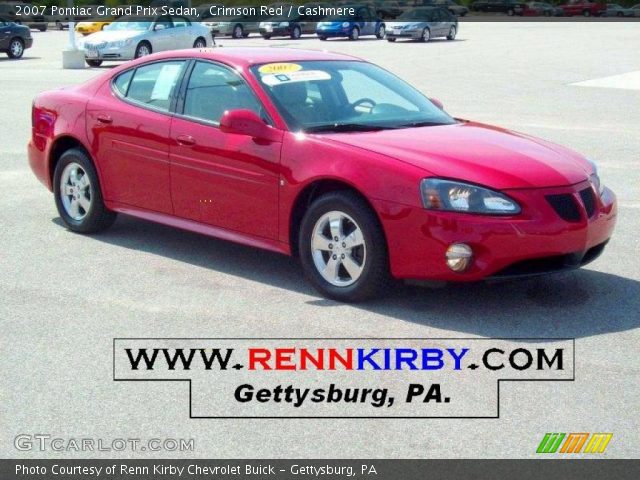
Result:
{"points": [[338, 248], [75, 191], [16, 48]]}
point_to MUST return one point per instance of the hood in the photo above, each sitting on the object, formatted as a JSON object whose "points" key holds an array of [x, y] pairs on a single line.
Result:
{"points": [[112, 36], [476, 153]]}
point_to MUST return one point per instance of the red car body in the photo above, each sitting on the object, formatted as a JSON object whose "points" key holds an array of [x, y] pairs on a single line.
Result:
{"points": [[167, 169], [585, 8]]}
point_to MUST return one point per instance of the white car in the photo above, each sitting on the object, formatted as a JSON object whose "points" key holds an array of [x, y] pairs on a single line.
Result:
{"points": [[134, 37]]}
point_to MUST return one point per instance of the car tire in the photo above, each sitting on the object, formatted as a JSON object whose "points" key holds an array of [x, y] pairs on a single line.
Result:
{"points": [[367, 259], [59, 25], [510, 12], [452, 33], [426, 35], [586, 13], [296, 33], [77, 193], [143, 49], [43, 28], [16, 48], [391, 39], [93, 63], [354, 34], [200, 43], [238, 31], [266, 37], [619, 14], [381, 32], [322, 37]]}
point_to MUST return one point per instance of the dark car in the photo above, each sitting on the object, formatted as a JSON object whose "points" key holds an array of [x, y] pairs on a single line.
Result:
{"points": [[14, 38], [293, 26], [9, 11], [510, 7]]}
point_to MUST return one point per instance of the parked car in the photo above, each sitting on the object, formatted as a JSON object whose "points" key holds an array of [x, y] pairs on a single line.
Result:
{"points": [[354, 171], [236, 26], [584, 8], [636, 10], [423, 24], [453, 7], [134, 37], [386, 9], [365, 21], [541, 9], [615, 10], [286, 26], [87, 28], [14, 38], [510, 7], [9, 11]]}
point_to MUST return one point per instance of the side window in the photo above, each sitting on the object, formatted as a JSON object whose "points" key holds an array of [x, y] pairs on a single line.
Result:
{"points": [[165, 21], [180, 22], [122, 81], [213, 89], [153, 85]]}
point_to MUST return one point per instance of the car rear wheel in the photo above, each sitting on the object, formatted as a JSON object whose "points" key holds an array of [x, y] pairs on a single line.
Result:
{"points": [[426, 35], [78, 195], [586, 13], [16, 48], [355, 34], [343, 249], [391, 39], [296, 33], [452, 33], [59, 25], [94, 63], [322, 37], [238, 32], [200, 43], [510, 12], [381, 32], [266, 37], [143, 49]]}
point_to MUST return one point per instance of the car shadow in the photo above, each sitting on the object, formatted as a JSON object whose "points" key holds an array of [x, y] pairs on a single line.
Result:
{"points": [[575, 304], [22, 59]]}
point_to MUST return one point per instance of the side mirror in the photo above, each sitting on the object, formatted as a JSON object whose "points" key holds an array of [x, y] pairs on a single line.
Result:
{"points": [[247, 122], [437, 103], [158, 26]]}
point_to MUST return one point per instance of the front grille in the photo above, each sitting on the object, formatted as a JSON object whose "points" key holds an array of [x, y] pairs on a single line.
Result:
{"points": [[565, 205], [589, 201]]}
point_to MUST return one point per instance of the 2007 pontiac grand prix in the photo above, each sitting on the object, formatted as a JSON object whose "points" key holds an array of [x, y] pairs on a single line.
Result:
{"points": [[319, 155]]}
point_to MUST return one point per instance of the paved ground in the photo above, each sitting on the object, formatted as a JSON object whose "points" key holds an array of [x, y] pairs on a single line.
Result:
{"points": [[64, 296]]}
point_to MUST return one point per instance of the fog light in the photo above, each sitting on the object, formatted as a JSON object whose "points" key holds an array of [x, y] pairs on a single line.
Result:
{"points": [[459, 257]]}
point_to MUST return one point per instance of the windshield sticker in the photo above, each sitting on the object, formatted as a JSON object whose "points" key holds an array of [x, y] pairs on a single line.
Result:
{"points": [[300, 76], [271, 68]]}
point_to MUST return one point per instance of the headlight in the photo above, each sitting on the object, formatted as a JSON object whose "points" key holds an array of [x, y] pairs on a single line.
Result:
{"points": [[449, 195], [284, 24], [345, 24], [595, 178]]}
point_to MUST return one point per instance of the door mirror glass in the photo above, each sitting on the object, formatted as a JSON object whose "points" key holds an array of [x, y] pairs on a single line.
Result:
{"points": [[437, 103]]}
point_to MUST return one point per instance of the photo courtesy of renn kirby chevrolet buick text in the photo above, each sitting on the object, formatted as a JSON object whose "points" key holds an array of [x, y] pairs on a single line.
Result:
{"points": [[319, 155]]}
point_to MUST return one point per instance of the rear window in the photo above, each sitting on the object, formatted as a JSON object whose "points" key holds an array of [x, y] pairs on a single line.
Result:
{"points": [[122, 81], [151, 85]]}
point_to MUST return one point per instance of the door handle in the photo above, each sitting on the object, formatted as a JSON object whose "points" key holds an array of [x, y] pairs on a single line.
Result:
{"points": [[104, 118], [185, 140]]}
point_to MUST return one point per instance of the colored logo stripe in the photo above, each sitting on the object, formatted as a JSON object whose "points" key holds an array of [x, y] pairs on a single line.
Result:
{"points": [[598, 442], [574, 442], [550, 443]]}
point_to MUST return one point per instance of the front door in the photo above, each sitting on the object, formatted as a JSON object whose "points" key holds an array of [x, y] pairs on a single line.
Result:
{"points": [[226, 180]]}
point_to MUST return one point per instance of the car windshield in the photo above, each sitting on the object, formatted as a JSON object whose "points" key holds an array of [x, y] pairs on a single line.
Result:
{"points": [[345, 96], [131, 23]]}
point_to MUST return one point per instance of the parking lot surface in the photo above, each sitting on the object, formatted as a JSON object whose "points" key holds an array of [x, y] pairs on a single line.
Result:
{"points": [[64, 297]]}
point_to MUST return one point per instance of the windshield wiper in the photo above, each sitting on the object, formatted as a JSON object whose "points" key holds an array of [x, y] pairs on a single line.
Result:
{"points": [[421, 124], [346, 127]]}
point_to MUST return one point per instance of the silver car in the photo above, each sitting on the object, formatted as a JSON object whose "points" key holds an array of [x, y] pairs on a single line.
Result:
{"points": [[238, 26], [423, 23], [133, 37]]}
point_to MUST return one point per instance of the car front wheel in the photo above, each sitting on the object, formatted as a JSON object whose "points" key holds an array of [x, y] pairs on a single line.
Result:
{"points": [[452, 33], [200, 43], [78, 195], [343, 249], [355, 34], [94, 63], [143, 49], [16, 48]]}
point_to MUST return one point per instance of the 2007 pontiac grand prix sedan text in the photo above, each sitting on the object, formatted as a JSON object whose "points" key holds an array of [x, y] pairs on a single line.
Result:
{"points": [[319, 155]]}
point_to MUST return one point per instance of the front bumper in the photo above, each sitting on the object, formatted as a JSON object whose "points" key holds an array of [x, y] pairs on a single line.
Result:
{"points": [[534, 242], [275, 32], [413, 34], [110, 53], [333, 32]]}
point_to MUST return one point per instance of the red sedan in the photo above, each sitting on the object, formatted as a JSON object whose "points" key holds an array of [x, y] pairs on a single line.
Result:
{"points": [[318, 155]]}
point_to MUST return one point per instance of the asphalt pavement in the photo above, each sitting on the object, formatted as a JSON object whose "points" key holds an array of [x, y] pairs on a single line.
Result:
{"points": [[64, 297]]}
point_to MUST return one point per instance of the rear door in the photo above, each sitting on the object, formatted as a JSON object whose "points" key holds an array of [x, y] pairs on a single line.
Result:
{"points": [[226, 180], [163, 36], [184, 34], [5, 35], [128, 126]]}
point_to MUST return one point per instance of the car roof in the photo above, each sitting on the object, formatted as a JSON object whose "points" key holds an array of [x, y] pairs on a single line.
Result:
{"points": [[248, 56]]}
